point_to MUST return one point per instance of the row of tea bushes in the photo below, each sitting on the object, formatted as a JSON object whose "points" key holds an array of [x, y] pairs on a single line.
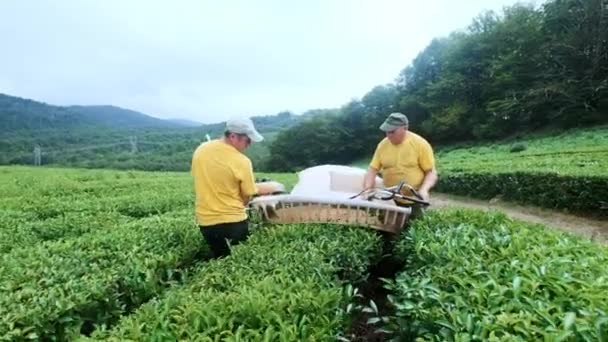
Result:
{"points": [[285, 284], [576, 194], [59, 289], [473, 276]]}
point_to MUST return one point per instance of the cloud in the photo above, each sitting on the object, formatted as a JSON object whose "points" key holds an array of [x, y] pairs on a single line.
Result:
{"points": [[206, 60]]}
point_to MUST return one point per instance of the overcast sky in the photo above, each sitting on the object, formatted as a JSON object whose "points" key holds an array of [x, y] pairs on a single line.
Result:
{"points": [[209, 60]]}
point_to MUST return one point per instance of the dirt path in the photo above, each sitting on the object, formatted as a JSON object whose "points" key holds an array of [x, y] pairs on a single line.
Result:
{"points": [[594, 229]]}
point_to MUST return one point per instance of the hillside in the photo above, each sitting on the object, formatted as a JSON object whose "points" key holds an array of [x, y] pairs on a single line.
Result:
{"points": [[24, 114], [185, 122], [18, 114], [113, 116], [565, 171], [113, 137], [576, 152]]}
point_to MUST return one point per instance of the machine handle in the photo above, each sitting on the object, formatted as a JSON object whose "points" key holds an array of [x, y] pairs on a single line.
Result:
{"points": [[395, 191]]}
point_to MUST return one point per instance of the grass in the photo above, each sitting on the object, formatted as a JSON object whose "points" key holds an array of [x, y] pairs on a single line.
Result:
{"points": [[581, 152], [577, 152]]}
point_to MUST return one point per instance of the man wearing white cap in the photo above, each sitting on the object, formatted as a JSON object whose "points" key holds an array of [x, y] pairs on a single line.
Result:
{"points": [[224, 183]]}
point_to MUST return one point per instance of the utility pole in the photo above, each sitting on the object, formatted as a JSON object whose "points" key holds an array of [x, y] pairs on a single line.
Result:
{"points": [[37, 155], [133, 141]]}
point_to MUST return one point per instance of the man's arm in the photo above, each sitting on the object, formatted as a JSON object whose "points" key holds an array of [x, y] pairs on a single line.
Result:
{"points": [[375, 166], [266, 188], [430, 179], [248, 187], [370, 178]]}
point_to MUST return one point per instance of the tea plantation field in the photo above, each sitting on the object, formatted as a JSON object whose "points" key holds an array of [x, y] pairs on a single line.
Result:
{"points": [[116, 255], [568, 171]]}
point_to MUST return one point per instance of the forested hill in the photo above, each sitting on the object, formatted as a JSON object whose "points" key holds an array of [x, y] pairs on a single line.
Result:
{"points": [[113, 137], [19, 114], [24, 114], [507, 74], [119, 117]]}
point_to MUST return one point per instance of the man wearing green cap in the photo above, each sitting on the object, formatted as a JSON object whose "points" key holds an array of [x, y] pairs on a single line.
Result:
{"points": [[403, 156]]}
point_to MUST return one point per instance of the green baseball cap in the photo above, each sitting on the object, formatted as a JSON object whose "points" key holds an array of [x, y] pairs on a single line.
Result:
{"points": [[394, 121]]}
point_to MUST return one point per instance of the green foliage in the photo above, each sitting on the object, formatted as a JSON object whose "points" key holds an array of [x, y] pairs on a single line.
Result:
{"points": [[97, 254], [18, 230], [280, 285], [577, 152], [566, 171], [100, 136], [576, 194], [310, 143], [479, 276], [518, 148], [62, 288], [74, 252], [100, 252]]}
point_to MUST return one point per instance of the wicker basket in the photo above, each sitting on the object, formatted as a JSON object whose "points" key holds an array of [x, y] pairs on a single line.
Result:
{"points": [[323, 195], [354, 212]]}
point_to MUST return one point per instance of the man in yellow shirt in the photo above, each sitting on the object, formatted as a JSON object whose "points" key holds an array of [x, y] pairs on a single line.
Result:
{"points": [[224, 183], [403, 156]]}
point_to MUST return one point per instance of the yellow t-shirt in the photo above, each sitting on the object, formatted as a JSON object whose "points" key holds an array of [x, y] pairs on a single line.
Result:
{"points": [[408, 161], [222, 177]]}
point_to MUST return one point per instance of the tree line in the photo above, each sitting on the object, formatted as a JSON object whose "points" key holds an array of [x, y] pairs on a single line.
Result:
{"points": [[519, 71]]}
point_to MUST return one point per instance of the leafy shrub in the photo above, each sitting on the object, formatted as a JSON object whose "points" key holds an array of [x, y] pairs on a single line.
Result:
{"points": [[518, 148], [577, 194], [59, 289], [280, 285], [479, 276]]}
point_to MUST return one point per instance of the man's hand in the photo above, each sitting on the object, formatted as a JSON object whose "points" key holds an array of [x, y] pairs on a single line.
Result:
{"points": [[265, 188], [366, 194], [424, 194], [430, 179]]}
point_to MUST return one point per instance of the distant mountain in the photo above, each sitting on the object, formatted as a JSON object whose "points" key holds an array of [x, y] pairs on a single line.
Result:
{"points": [[185, 122], [120, 117], [17, 114], [24, 114], [104, 136]]}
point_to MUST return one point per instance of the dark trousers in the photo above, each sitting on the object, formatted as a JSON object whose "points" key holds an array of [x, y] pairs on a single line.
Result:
{"points": [[219, 236], [389, 264]]}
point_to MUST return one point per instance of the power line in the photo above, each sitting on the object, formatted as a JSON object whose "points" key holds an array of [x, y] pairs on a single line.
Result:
{"points": [[133, 143]]}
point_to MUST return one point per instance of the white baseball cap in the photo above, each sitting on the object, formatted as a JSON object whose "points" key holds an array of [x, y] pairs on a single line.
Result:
{"points": [[244, 126]]}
